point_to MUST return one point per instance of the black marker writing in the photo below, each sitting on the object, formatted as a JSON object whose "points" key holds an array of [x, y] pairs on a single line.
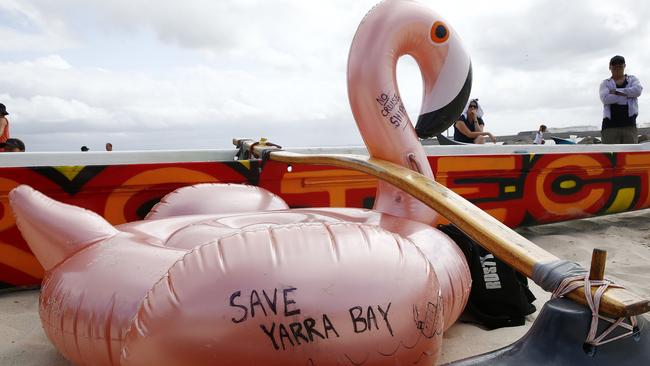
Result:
{"points": [[384, 315], [255, 301], [266, 304], [271, 303], [392, 108], [289, 301], [232, 303], [364, 321], [297, 333]]}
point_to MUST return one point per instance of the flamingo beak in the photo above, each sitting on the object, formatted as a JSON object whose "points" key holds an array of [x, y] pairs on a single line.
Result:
{"points": [[435, 122], [54, 230]]}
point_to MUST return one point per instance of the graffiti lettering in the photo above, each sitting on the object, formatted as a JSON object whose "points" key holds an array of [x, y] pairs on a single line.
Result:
{"points": [[517, 189]]}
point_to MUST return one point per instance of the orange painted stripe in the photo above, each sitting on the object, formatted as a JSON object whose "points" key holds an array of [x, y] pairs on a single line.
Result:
{"points": [[463, 163], [114, 209], [637, 159], [20, 260], [339, 181], [498, 213], [465, 190]]}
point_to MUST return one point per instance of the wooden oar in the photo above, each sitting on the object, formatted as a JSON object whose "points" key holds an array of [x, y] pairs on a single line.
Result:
{"points": [[503, 242]]}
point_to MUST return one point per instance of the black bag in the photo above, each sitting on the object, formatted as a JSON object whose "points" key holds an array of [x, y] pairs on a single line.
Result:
{"points": [[500, 296]]}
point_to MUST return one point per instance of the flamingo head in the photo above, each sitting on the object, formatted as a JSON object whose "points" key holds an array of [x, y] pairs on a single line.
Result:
{"points": [[447, 75]]}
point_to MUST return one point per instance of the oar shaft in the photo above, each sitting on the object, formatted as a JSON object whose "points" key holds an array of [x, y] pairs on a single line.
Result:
{"points": [[503, 242]]}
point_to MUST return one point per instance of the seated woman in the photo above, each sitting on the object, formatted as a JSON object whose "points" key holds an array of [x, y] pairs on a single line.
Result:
{"points": [[469, 127]]}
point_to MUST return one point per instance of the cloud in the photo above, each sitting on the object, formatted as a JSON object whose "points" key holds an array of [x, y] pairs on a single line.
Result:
{"points": [[24, 27], [543, 61], [214, 25], [49, 96], [207, 71], [560, 33], [258, 60]]}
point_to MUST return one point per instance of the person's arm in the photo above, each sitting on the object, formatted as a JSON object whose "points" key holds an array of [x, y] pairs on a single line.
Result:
{"points": [[605, 94], [3, 125], [473, 118], [633, 89], [479, 125]]}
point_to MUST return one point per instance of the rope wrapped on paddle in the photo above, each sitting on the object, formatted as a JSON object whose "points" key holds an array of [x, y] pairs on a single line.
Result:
{"points": [[561, 277]]}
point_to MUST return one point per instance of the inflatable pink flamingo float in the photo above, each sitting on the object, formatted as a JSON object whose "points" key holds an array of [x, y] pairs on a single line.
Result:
{"points": [[229, 275]]}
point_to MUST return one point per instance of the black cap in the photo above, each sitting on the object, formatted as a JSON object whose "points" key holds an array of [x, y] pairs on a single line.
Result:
{"points": [[13, 144], [3, 110], [617, 60]]}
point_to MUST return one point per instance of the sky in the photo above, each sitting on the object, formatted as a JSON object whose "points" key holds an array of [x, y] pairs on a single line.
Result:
{"points": [[193, 74]]}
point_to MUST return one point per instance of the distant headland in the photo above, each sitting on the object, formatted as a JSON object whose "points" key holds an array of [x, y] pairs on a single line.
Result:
{"points": [[581, 134]]}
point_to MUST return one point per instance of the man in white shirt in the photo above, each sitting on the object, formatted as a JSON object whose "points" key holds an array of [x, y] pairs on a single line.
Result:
{"points": [[619, 95]]}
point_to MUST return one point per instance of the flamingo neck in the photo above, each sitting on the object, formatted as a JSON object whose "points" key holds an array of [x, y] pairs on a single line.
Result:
{"points": [[385, 35]]}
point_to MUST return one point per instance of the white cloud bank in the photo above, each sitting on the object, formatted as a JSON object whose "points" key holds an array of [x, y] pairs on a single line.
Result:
{"points": [[194, 74]]}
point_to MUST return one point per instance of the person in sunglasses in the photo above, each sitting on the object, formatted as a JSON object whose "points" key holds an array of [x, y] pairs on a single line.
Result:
{"points": [[469, 127]]}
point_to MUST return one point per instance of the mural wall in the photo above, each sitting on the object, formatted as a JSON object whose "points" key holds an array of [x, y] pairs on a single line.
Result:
{"points": [[518, 190]]}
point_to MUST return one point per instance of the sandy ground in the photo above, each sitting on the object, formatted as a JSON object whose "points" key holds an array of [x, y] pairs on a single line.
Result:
{"points": [[626, 237]]}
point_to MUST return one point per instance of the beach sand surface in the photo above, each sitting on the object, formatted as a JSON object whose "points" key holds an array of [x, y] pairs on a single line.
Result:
{"points": [[626, 237]]}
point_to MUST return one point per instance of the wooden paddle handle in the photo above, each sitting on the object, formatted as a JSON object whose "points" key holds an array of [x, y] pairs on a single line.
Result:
{"points": [[503, 242], [597, 269]]}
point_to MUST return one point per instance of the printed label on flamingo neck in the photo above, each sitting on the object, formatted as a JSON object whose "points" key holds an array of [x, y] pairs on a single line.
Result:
{"points": [[392, 109]]}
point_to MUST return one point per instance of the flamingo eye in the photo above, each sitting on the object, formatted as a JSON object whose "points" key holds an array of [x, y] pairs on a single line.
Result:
{"points": [[439, 32]]}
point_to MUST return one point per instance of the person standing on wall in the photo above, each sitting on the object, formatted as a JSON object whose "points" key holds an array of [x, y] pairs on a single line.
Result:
{"points": [[619, 95], [4, 125]]}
